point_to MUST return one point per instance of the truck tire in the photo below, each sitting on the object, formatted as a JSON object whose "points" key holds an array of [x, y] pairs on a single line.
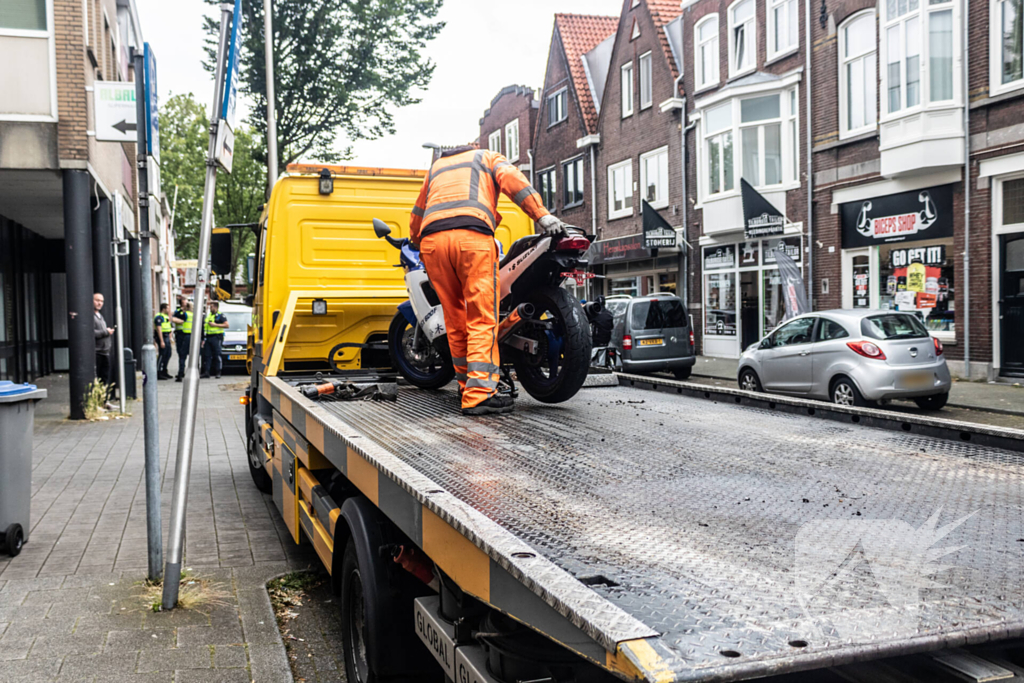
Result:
{"points": [[431, 370], [572, 361], [254, 454]]}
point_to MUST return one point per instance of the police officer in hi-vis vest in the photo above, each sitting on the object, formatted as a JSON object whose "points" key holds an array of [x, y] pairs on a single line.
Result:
{"points": [[162, 328], [182, 319], [213, 339]]}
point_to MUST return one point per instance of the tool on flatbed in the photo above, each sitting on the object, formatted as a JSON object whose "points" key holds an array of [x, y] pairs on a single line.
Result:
{"points": [[350, 391]]}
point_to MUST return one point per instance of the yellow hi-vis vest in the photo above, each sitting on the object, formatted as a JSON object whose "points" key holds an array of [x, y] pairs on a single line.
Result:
{"points": [[186, 327], [165, 323], [208, 328]]}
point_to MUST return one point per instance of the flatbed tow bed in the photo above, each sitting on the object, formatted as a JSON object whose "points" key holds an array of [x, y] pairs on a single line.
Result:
{"points": [[667, 537]]}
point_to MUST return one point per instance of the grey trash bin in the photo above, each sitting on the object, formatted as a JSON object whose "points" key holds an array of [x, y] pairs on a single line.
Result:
{"points": [[17, 413]]}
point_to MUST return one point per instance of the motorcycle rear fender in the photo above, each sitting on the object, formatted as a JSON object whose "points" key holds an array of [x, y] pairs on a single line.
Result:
{"points": [[431, 318], [514, 270]]}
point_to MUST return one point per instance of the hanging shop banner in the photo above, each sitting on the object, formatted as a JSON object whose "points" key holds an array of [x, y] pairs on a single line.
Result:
{"points": [[788, 245], [794, 293], [905, 217], [628, 248], [760, 217], [716, 258], [929, 256], [658, 234]]}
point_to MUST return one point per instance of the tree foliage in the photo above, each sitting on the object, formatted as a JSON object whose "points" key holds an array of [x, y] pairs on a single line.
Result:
{"points": [[341, 67], [184, 139]]}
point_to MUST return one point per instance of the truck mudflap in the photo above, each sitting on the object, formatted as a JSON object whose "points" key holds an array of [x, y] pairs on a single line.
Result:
{"points": [[670, 538]]}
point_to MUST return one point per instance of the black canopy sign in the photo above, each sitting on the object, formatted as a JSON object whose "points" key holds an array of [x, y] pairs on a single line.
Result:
{"points": [[760, 217], [658, 234], [904, 217]]}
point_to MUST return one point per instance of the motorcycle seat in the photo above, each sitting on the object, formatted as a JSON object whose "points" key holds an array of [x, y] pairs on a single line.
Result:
{"points": [[518, 247]]}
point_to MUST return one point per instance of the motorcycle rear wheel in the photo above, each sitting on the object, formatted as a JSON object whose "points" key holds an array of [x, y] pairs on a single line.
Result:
{"points": [[554, 375], [428, 368]]}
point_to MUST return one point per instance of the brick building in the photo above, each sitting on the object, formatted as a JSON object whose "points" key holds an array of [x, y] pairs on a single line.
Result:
{"points": [[507, 125], [63, 193], [891, 137]]}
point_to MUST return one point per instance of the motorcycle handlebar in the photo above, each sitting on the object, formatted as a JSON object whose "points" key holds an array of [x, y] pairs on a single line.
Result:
{"points": [[397, 244]]}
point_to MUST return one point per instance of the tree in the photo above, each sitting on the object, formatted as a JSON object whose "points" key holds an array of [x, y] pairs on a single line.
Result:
{"points": [[340, 66], [185, 138]]}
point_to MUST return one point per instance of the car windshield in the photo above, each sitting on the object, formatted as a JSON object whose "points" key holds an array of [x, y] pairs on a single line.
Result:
{"points": [[238, 321], [657, 314], [893, 326]]}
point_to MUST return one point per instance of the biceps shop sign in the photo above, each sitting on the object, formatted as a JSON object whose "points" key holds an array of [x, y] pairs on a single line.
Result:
{"points": [[905, 217]]}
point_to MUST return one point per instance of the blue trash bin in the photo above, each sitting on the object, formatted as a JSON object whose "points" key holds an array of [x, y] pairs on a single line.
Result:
{"points": [[17, 414]]}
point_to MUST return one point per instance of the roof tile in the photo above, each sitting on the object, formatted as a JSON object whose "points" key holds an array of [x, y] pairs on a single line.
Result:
{"points": [[580, 34]]}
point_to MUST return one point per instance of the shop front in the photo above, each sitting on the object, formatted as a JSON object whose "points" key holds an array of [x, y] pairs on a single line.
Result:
{"points": [[897, 254], [625, 266], [743, 291]]}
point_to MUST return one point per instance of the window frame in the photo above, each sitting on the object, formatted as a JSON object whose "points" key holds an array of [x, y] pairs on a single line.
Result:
{"points": [[650, 80], [49, 34], [770, 53], [698, 55], [579, 180], [553, 171], [624, 212], [563, 109], [512, 125], [661, 202], [996, 85], [844, 124], [750, 37], [923, 15], [493, 136], [32, 32], [624, 92]]}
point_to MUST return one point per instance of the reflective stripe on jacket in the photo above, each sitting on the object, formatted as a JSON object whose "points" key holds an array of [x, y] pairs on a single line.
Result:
{"points": [[208, 328], [468, 184]]}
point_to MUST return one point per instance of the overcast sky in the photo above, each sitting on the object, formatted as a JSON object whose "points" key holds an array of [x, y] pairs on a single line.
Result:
{"points": [[485, 46]]}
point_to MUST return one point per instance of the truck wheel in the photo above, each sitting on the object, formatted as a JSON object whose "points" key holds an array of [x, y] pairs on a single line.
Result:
{"points": [[425, 366], [354, 633], [259, 473], [557, 371], [14, 539]]}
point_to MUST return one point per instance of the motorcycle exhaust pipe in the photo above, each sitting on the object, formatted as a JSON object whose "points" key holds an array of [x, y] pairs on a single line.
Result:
{"points": [[515, 319]]}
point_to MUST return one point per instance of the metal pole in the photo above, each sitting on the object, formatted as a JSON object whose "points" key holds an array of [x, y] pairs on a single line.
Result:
{"points": [[119, 322], [967, 194], [190, 393], [150, 409], [268, 48], [810, 158]]}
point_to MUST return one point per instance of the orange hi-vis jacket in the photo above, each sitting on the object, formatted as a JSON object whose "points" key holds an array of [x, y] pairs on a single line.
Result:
{"points": [[467, 184]]}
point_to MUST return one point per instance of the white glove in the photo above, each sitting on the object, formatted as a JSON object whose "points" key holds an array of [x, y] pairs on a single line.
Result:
{"points": [[549, 225]]}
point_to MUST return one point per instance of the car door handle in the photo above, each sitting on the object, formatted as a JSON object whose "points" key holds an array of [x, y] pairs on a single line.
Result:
{"points": [[804, 353]]}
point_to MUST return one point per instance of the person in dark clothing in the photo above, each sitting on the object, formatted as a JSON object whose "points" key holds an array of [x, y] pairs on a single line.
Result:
{"points": [[162, 332], [213, 338], [601, 325], [182, 319], [103, 335]]}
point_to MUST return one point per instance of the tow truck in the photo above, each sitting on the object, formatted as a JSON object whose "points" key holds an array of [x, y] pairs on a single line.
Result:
{"points": [[652, 531]]}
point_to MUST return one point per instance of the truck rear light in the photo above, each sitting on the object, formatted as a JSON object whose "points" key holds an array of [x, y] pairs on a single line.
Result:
{"points": [[574, 243], [938, 346], [867, 349], [627, 342]]}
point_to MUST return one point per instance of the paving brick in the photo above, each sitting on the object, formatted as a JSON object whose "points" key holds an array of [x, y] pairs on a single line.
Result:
{"points": [[16, 647], [229, 657], [61, 645], [217, 676], [210, 635], [174, 659], [148, 639], [34, 670], [99, 664]]}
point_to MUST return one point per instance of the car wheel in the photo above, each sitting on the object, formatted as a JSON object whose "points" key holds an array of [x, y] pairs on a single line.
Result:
{"points": [[749, 380], [845, 393], [682, 374], [934, 402]]}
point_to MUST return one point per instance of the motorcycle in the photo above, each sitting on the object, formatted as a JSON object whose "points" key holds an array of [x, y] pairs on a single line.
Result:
{"points": [[543, 333]]}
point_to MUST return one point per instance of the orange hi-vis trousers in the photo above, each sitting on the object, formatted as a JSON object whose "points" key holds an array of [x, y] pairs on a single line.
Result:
{"points": [[463, 268]]}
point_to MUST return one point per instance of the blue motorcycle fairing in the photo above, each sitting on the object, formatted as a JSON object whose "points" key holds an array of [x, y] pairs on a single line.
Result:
{"points": [[410, 257], [405, 308]]}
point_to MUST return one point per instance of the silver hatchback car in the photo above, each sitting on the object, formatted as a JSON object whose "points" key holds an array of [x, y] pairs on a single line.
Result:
{"points": [[850, 357]]}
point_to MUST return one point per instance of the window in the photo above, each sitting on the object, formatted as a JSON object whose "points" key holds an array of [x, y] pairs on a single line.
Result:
{"points": [[654, 177], [512, 140], [858, 108], [783, 26], [914, 33], [626, 83], [620, 189], [829, 329], [720, 304], [893, 326], [657, 314], [718, 129], [494, 141], [1007, 44], [557, 109], [546, 188], [919, 277], [646, 97], [572, 182], [742, 38], [23, 15], [706, 51], [795, 332]]}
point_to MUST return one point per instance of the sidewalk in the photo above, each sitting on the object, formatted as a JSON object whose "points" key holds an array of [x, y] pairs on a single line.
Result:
{"points": [[71, 607], [1003, 398]]}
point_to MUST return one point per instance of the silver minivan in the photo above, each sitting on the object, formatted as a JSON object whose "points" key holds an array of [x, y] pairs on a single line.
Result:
{"points": [[652, 334], [850, 357]]}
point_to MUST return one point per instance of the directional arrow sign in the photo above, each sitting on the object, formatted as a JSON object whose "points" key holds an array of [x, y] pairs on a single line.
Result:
{"points": [[116, 118]]}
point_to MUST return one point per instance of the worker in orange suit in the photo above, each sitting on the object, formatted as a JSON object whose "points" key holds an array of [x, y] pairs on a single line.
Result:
{"points": [[453, 224]]}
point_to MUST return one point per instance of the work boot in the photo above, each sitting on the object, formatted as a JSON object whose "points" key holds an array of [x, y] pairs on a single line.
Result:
{"points": [[495, 405], [177, 379]]}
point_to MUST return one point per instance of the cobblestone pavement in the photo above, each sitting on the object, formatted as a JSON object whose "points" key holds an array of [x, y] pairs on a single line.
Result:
{"points": [[71, 607]]}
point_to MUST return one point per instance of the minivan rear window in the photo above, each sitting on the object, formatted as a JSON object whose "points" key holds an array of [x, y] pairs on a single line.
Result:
{"points": [[656, 314], [893, 326]]}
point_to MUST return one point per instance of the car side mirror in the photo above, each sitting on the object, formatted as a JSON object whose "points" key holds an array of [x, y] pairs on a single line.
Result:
{"points": [[249, 300], [766, 343], [380, 228]]}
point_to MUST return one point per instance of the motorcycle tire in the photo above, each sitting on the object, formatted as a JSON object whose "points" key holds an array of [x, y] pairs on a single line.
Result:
{"points": [[571, 324], [434, 378]]}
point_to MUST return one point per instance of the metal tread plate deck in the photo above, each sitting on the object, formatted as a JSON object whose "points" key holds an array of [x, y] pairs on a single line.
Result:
{"points": [[753, 542]]}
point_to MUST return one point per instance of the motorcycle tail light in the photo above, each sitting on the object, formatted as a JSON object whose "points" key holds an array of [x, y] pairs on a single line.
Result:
{"points": [[574, 243], [938, 346], [627, 342], [867, 349]]}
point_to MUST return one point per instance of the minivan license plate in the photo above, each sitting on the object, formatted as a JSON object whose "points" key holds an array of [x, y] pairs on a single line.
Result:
{"points": [[237, 357], [652, 342]]}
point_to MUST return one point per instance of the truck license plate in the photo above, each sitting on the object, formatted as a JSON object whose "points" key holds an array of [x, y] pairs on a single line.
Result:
{"points": [[652, 342], [236, 357]]}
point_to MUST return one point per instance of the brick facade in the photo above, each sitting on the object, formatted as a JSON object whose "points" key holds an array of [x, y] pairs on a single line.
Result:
{"points": [[514, 102], [71, 66]]}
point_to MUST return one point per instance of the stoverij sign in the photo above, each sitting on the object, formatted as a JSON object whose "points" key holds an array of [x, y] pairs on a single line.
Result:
{"points": [[116, 117]]}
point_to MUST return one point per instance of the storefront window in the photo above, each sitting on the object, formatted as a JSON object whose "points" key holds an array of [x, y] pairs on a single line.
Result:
{"points": [[920, 278], [627, 286], [720, 306], [667, 282]]}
